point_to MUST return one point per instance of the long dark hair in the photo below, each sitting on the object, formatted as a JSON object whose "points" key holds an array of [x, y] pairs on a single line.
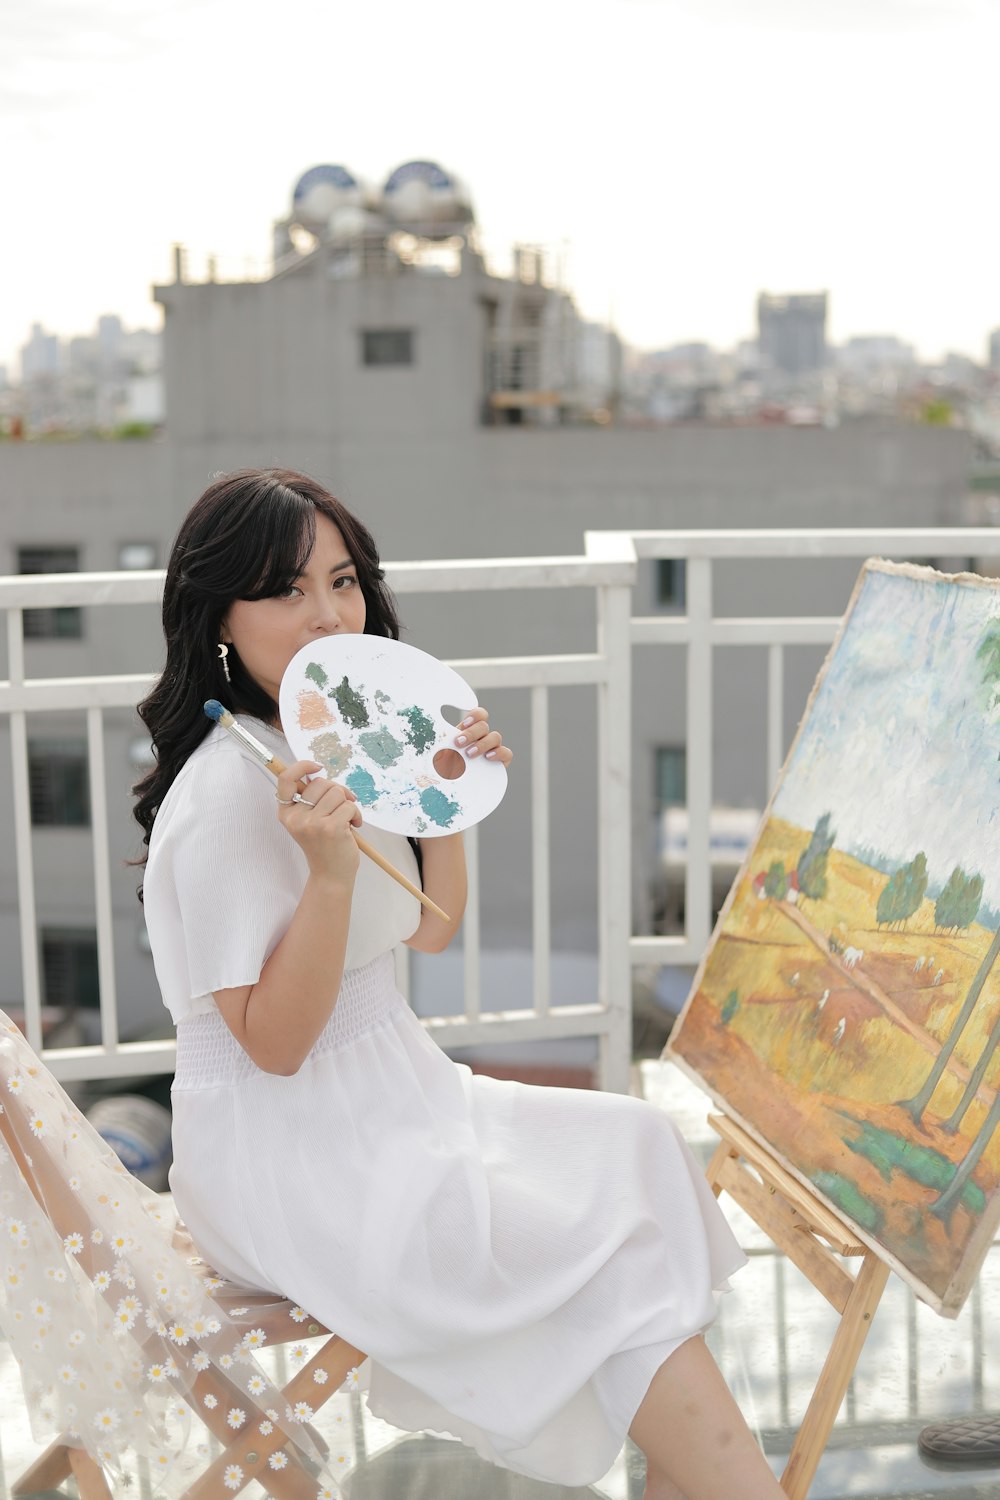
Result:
{"points": [[249, 536]]}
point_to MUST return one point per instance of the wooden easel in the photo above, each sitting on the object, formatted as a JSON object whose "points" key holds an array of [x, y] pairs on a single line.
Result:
{"points": [[812, 1236]]}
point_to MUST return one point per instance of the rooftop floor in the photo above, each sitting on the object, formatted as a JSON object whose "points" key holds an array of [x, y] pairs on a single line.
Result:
{"points": [[770, 1339]]}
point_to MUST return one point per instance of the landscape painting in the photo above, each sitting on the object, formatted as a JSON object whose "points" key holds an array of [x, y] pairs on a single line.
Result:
{"points": [[847, 1011]]}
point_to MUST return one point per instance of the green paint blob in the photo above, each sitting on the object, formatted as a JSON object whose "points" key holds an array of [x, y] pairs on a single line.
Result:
{"points": [[421, 825], [381, 747], [352, 706], [421, 731], [363, 786], [382, 700], [439, 808], [331, 752], [316, 673]]}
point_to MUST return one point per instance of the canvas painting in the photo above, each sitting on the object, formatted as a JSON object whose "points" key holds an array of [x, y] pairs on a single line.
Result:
{"points": [[847, 1011]]}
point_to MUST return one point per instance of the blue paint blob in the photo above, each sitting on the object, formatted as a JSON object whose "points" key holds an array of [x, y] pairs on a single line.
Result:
{"points": [[439, 808], [362, 784]]}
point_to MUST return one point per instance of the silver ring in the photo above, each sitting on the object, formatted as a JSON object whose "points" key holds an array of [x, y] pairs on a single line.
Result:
{"points": [[298, 797], [284, 801]]}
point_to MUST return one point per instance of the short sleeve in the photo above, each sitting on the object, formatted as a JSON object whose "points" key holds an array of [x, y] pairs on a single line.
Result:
{"points": [[223, 879]]}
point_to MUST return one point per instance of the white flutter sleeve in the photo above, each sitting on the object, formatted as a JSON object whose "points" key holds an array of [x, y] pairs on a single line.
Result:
{"points": [[224, 878]]}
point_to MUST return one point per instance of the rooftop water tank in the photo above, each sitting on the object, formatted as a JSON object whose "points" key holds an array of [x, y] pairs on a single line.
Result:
{"points": [[421, 195], [322, 192]]}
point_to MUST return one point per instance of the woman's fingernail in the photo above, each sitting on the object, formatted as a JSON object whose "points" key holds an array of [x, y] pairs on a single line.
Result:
{"points": [[461, 739], [472, 750], [490, 755], [466, 722]]}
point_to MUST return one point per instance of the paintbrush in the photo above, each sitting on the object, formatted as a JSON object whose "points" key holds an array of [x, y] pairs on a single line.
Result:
{"points": [[274, 764]]}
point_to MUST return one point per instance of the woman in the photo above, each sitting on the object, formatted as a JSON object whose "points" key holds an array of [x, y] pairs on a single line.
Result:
{"points": [[528, 1268]]}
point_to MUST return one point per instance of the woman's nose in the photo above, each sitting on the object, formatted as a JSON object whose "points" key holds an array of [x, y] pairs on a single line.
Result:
{"points": [[326, 614]]}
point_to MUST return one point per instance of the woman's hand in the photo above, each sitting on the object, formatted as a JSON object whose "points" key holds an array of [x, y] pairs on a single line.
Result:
{"points": [[475, 738], [319, 816]]}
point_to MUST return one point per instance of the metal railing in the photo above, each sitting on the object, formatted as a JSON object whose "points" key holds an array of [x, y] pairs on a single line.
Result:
{"points": [[607, 568]]}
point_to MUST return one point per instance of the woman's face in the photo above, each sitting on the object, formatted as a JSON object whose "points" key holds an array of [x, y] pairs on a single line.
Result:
{"points": [[324, 600]]}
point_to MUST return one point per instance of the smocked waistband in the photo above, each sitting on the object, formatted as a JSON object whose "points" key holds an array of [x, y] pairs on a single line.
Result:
{"points": [[209, 1055]]}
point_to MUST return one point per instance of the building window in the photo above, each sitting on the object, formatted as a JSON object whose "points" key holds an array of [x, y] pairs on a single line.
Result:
{"points": [[64, 622], [57, 780], [69, 967], [671, 776], [387, 346], [671, 582], [134, 556]]}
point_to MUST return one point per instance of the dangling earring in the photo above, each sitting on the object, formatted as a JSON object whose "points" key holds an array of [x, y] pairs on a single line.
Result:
{"points": [[223, 653]]}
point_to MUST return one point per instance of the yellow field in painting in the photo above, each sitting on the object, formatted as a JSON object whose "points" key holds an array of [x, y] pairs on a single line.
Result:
{"points": [[771, 977]]}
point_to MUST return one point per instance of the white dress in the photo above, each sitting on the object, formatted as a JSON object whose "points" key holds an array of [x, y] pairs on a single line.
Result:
{"points": [[516, 1261]]}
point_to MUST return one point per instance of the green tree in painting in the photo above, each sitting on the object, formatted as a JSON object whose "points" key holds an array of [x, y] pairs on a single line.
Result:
{"points": [[904, 893], [812, 863], [988, 656], [959, 901], [776, 882]]}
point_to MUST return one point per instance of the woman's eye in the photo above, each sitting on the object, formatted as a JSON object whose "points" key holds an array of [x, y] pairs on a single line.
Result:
{"points": [[292, 589], [346, 580]]}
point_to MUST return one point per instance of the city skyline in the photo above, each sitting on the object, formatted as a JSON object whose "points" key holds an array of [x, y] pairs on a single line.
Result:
{"points": [[689, 158]]}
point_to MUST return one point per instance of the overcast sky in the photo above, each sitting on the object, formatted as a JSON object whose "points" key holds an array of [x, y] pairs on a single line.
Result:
{"points": [[692, 152], [901, 744]]}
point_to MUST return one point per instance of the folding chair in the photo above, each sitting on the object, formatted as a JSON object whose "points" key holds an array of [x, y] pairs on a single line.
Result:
{"points": [[269, 1456]]}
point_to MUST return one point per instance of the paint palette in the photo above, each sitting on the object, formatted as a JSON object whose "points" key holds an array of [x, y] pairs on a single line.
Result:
{"points": [[369, 710]]}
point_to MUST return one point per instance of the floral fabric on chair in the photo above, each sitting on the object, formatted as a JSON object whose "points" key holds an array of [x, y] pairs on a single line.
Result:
{"points": [[128, 1346]]}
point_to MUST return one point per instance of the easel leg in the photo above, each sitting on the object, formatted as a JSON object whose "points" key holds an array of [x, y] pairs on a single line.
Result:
{"points": [[835, 1377]]}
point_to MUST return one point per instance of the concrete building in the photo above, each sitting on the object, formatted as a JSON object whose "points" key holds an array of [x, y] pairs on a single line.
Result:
{"points": [[395, 384], [792, 332]]}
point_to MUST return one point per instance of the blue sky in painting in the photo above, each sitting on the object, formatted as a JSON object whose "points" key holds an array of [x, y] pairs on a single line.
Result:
{"points": [[901, 745]]}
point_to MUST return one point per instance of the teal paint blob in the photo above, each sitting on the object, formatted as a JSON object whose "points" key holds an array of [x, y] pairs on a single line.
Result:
{"points": [[439, 808], [315, 671], [421, 731], [382, 700], [352, 706], [380, 746], [362, 784]]}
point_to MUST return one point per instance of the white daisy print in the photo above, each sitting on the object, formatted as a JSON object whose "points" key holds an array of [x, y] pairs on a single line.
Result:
{"points": [[233, 1477], [235, 1417], [102, 1281], [97, 1236], [211, 1401], [156, 1373], [300, 1412], [106, 1420], [238, 1312], [73, 1243], [172, 1369], [67, 1374], [56, 1273], [298, 1352], [39, 1129], [226, 1361], [255, 1339], [200, 1361], [179, 1334], [278, 1460], [15, 1083], [320, 1377], [256, 1385], [352, 1380], [298, 1315], [74, 1183], [76, 1338], [41, 1309], [325, 1493], [15, 1228], [213, 1325], [265, 1428]]}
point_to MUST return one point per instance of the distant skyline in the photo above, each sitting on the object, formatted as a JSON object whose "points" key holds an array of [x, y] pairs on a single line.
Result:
{"points": [[691, 152]]}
